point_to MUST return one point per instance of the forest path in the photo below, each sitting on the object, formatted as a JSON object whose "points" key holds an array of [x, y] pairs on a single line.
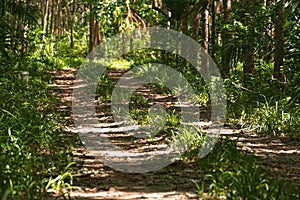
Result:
{"points": [[97, 181]]}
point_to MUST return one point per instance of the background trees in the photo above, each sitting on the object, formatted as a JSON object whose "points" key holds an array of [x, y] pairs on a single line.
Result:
{"points": [[249, 42], [255, 44], [233, 32]]}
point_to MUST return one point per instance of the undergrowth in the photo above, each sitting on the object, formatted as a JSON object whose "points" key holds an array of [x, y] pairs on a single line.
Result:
{"points": [[32, 148], [233, 174]]}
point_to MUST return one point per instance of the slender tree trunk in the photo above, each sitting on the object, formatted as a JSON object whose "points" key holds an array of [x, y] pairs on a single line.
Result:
{"points": [[157, 4], [195, 25], [45, 21], [26, 27], [72, 33], [13, 20], [184, 27], [91, 29], [184, 22], [3, 8], [213, 29], [95, 36], [49, 18], [71, 24], [268, 34], [218, 10], [56, 18], [61, 22], [279, 40], [225, 37], [248, 66], [52, 20], [205, 28]]}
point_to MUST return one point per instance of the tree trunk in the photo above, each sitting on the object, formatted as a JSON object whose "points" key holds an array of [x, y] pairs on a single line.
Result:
{"points": [[25, 29], [213, 29], [46, 12], [218, 10], [95, 36], [52, 19], [71, 24], [225, 38], [184, 27], [205, 28], [3, 8], [56, 18], [248, 66], [13, 23], [91, 30], [279, 40], [184, 22], [196, 23]]}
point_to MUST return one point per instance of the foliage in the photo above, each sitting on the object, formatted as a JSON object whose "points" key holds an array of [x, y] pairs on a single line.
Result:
{"points": [[31, 144], [30, 139], [236, 175], [263, 107], [62, 182], [277, 118]]}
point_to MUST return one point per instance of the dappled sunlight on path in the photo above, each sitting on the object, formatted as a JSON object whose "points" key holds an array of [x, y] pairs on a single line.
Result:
{"points": [[97, 181]]}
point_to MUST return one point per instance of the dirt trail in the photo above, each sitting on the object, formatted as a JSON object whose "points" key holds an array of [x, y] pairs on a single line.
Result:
{"points": [[96, 181]]}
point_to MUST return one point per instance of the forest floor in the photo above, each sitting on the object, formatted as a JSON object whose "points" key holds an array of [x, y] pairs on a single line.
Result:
{"points": [[97, 181]]}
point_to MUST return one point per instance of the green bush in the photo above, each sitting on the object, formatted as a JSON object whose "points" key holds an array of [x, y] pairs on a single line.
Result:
{"points": [[278, 118], [234, 174], [31, 146]]}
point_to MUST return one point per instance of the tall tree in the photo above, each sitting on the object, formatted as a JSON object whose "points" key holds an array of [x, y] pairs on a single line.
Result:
{"points": [[94, 36], [71, 21], [225, 34], [45, 17], [279, 38], [248, 65], [205, 38], [213, 29]]}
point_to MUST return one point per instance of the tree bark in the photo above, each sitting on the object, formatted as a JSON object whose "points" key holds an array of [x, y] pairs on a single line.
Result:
{"points": [[225, 38], [13, 23], [3, 8], [196, 23], [71, 24], [213, 29], [248, 65], [279, 40], [95, 36], [45, 21], [205, 28], [91, 29], [52, 18]]}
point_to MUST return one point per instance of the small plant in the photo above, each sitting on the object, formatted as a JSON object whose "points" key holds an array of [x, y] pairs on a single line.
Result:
{"points": [[62, 182], [277, 118], [30, 139], [104, 88], [235, 175]]}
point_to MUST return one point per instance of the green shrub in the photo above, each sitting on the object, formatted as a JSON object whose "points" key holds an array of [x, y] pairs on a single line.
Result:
{"points": [[276, 118], [31, 146], [234, 174]]}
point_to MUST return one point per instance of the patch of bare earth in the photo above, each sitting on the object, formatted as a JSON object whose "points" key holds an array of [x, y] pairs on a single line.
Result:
{"points": [[97, 181]]}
